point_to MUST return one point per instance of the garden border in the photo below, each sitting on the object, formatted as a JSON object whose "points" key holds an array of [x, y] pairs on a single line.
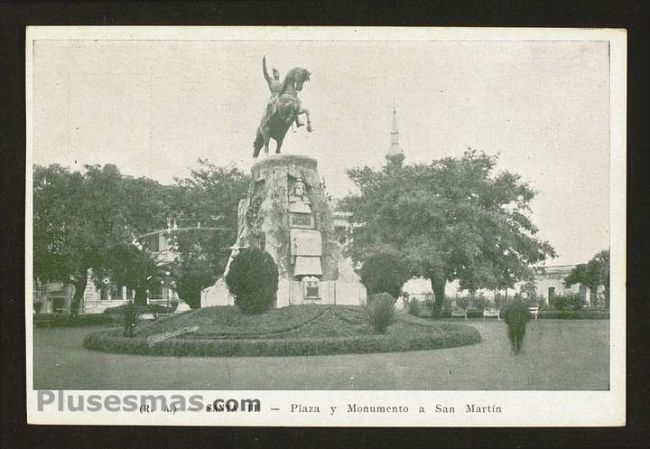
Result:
{"points": [[454, 335]]}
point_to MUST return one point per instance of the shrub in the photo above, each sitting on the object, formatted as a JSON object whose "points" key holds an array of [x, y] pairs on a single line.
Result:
{"points": [[142, 308], [253, 280], [59, 320], [384, 273], [567, 302], [131, 317], [414, 307], [381, 312], [480, 302], [462, 302], [421, 308], [428, 304], [534, 302], [574, 315]]}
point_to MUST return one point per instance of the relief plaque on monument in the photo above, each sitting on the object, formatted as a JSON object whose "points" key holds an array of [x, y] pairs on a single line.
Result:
{"points": [[306, 246], [300, 212]]}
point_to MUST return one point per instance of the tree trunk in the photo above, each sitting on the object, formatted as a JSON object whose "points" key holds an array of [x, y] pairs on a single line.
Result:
{"points": [[77, 297], [140, 297], [438, 286]]}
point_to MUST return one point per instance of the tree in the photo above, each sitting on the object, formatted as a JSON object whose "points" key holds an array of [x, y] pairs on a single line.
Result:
{"points": [[253, 280], [80, 220], [201, 259], [56, 198], [450, 219], [207, 202], [134, 268], [592, 274], [384, 272]]}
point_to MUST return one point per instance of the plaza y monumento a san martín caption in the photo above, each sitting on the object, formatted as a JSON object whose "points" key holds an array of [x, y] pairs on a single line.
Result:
{"points": [[360, 408]]}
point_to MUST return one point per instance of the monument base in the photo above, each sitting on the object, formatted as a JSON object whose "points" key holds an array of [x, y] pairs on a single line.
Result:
{"points": [[287, 214], [346, 290]]}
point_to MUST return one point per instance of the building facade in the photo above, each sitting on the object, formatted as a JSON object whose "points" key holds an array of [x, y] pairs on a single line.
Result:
{"points": [[102, 294]]}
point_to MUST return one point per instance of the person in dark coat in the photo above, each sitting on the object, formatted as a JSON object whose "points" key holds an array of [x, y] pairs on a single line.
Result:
{"points": [[516, 316]]}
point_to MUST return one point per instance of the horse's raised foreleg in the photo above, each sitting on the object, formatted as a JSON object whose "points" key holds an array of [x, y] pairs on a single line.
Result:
{"points": [[306, 112]]}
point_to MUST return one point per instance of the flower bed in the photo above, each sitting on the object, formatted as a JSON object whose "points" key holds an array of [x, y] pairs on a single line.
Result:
{"points": [[448, 336], [303, 330]]}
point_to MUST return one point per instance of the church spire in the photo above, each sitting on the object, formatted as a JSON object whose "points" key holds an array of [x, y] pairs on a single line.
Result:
{"points": [[395, 150]]}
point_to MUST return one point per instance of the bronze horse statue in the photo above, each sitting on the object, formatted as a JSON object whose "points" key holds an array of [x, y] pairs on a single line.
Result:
{"points": [[283, 109]]}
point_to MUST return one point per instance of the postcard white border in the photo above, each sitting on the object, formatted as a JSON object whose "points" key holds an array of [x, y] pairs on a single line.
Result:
{"points": [[520, 408]]}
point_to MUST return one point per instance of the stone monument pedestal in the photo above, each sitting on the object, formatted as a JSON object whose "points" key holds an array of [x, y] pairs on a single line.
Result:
{"points": [[287, 214]]}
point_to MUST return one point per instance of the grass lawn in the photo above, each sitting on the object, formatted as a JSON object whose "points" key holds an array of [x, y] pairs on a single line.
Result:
{"points": [[229, 322], [557, 355]]}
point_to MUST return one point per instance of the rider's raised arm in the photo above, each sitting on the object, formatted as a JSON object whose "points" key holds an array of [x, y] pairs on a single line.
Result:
{"points": [[266, 72]]}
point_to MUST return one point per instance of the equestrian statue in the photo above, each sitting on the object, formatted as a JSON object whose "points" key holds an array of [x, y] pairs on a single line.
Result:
{"points": [[283, 108]]}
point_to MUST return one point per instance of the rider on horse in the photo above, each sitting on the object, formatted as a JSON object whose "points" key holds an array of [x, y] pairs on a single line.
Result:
{"points": [[275, 86], [282, 109]]}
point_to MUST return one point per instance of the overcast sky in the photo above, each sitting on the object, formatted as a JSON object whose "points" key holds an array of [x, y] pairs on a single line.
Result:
{"points": [[154, 107]]}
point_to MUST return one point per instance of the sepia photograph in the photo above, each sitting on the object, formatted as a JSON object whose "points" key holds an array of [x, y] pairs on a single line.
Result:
{"points": [[325, 223]]}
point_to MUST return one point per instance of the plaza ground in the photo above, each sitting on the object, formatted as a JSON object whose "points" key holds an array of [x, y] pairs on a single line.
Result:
{"points": [[557, 355]]}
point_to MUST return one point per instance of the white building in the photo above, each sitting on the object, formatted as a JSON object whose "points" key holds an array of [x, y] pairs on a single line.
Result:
{"points": [[549, 282]]}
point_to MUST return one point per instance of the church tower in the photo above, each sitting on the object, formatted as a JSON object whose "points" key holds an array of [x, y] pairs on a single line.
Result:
{"points": [[395, 154]]}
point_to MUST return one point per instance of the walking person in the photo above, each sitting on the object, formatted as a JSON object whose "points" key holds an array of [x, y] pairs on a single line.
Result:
{"points": [[516, 316]]}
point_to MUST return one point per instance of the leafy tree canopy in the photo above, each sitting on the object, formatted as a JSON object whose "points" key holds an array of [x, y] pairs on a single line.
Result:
{"points": [[451, 219], [592, 274], [81, 218], [209, 198], [384, 273]]}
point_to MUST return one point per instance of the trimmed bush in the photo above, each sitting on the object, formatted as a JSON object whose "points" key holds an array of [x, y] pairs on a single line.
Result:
{"points": [[480, 303], [381, 312], [471, 313], [407, 337], [567, 302], [142, 308], [414, 307], [59, 320], [421, 308], [384, 273], [574, 315], [253, 280]]}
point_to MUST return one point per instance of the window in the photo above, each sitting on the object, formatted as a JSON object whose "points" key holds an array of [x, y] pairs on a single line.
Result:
{"points": [[311, 287], [551, 292], [156, 292]]}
